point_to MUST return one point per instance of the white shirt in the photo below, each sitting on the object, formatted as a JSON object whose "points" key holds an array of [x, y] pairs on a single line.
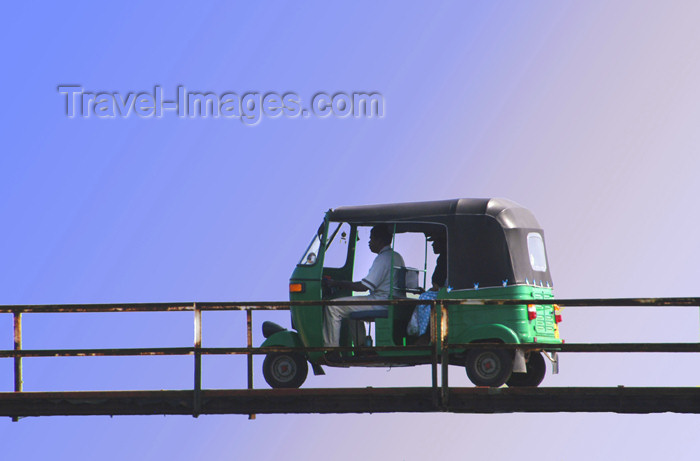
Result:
{"points": [[378, 279]]}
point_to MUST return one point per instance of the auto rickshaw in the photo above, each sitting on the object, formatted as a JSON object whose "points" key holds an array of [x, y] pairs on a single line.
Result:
{"points": [[495, 250]]}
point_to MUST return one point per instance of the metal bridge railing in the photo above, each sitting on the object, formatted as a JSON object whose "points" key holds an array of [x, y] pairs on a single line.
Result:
{"points": [[439, 333]]}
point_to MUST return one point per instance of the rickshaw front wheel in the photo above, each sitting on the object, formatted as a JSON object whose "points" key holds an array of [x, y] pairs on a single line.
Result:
{"points": [[489, 367], [285, 370]]}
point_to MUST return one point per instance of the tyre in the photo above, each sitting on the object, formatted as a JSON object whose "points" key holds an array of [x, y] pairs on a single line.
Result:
{"points": [[489, 367], [536, 369], [285, 370]]}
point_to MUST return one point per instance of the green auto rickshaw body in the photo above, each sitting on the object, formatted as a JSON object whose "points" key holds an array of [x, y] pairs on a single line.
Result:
{"points": [[495, 250]]}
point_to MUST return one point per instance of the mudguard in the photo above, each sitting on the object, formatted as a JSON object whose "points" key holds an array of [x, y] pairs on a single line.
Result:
{"points": [[501, 333], [284, 338], [288, 338]]}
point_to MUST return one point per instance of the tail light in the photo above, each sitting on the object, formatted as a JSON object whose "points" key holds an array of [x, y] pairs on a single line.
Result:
{"points": [[557, 314], [531, 312]]}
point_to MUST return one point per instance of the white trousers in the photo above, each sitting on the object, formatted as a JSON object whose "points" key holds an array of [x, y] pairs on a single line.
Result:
{"points": [[334, 315]]}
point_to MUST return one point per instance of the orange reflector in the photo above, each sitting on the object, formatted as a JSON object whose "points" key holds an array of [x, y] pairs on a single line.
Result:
{"points": [[296, 287]]}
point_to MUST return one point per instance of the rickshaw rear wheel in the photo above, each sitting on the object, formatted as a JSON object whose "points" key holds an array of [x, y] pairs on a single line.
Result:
{"points": [[285, 370], [536, 370], [489, 367]]}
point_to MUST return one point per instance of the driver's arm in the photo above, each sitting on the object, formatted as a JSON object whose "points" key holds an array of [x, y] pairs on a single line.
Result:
{"points": [[346, 285]]}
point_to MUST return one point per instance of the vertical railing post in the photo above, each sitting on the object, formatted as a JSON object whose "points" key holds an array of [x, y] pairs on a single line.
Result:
{"points": [[17, 317], [249, 327], [197, 403], [17, 321], [445, 355], [434, 342]]}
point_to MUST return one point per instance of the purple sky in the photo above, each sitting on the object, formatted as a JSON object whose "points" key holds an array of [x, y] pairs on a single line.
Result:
{"points": [[585, 113]]}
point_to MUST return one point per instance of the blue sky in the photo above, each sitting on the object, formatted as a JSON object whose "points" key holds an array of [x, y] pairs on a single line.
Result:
{"points": [[585, 113]]}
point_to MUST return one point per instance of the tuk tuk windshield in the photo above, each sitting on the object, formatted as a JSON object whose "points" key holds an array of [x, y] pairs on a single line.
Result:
{"points": [[311, 254], [336, 247]]}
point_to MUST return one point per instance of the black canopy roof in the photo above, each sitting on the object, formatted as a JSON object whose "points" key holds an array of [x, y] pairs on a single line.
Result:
{"points": [[489, 240], [507, 213]]}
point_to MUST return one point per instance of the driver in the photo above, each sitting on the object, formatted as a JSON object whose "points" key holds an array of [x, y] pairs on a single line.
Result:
{"points": [[377, 282]]}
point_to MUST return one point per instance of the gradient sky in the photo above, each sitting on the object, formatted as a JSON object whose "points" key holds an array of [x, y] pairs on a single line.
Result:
{"points": [[587, 113]]}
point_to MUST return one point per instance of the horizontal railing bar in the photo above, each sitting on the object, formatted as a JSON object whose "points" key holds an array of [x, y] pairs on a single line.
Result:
{"points": [[584, 347], [284, 305], [97, 352], [571, 347], [125, 352], [598, 302], [114, 307], [629, 347]]}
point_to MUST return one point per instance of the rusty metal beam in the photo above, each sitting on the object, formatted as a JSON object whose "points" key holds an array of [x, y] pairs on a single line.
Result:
{"points": [[284, 305], [610, 347], [249, 330], [17, 324], [366, 400], [197, 394], [249, 343], [17, 327], [444, 352], [434, 334]]}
